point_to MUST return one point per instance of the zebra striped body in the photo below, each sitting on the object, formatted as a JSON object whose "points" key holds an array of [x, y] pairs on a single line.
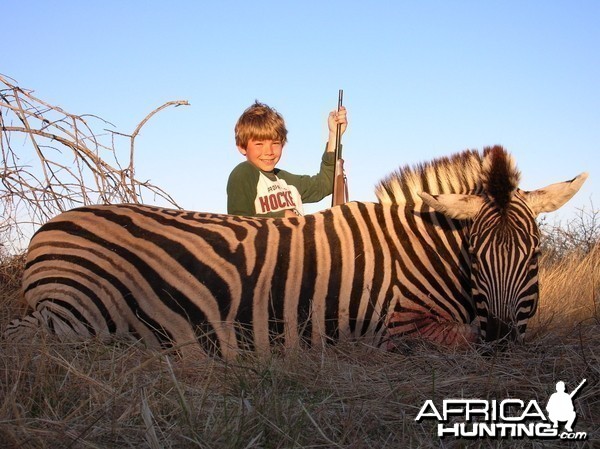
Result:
{"points": [[168, 275], [219, 283]]}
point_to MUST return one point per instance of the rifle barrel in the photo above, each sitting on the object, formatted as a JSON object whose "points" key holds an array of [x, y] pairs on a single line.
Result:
{"points": [[574, 392], [338, 131], [340, 187]]}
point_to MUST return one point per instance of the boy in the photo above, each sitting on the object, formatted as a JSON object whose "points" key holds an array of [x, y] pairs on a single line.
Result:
{"points": [[256, 187]]}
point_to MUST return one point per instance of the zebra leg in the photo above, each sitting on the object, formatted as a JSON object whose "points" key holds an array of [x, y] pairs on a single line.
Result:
{"points": [[22, 330], [439, 330], [26, 328]]}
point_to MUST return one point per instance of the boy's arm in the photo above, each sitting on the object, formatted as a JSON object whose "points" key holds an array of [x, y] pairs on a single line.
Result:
{"points": [[314, 188]]}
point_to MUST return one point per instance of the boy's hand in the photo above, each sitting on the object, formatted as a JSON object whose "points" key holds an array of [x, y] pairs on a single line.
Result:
{"points": [[336, 118]]}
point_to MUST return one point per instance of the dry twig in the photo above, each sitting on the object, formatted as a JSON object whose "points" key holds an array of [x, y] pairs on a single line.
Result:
{"points": [[52, 160]]}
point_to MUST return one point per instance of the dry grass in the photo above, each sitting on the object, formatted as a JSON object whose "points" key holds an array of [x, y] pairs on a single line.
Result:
{"points": [[569, 291], [121, 396]]}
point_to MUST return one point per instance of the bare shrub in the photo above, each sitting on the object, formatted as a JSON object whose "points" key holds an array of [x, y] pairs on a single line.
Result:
{"points": [[580, 234], [52, 160]]}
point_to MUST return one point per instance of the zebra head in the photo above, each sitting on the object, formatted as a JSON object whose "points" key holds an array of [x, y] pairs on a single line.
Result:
{"points": [[503, 241]]}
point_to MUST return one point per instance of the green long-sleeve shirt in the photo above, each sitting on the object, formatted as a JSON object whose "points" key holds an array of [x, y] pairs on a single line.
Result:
{"points": [[253, 192]]}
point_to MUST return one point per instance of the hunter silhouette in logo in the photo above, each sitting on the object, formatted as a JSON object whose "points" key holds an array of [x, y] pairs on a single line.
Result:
{"points": [[560, 406]]}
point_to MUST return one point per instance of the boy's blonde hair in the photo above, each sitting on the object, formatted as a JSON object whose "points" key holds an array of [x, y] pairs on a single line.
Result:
{"points": [[260, 122]]}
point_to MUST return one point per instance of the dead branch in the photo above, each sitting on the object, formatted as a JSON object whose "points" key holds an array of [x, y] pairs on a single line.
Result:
{"points": [[52, 160], [139, 127]]}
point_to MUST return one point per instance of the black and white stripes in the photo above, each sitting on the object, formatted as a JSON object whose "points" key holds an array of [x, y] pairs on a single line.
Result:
{"points": [[217, 283]]}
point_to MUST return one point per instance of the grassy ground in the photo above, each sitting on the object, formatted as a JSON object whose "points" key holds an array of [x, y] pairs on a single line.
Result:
{"points": [[56, 395]]}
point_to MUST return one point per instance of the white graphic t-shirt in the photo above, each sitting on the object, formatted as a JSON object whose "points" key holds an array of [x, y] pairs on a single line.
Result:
{"points": [[276, 195]]}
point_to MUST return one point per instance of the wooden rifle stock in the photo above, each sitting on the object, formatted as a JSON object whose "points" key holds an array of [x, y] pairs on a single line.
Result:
{"points": [[340, 186], [340, 183]]}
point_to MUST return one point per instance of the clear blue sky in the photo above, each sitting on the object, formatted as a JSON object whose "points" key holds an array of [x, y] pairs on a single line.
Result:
{"points": [[421, 79]]}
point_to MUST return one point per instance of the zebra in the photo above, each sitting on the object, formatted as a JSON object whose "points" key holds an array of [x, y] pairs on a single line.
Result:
{"points": [[449, 254]]}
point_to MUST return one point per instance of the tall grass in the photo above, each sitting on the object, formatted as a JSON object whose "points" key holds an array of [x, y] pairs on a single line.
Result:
{"points": [[569, 292], [93, 395]]}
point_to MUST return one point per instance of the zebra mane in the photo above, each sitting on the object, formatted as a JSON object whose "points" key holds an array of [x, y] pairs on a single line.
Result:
{"points": [[492, 171]]}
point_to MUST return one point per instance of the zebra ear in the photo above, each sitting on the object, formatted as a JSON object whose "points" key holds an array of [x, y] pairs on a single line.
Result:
{"points": [[554, 196], [460, 207]]}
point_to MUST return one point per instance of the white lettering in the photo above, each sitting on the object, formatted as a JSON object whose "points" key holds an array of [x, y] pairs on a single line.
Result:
{"points": [[509, 418], [504, 406], [573, 436], [537, 413], [453, 430], [448, 410], [434, 414], [472, 409]]}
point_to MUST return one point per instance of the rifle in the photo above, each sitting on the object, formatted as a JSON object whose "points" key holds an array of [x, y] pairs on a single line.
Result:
{"points": [[574, 392], [340, 183]]}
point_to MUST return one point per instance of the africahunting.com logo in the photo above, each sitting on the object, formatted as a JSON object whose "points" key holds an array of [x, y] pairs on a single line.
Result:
{"points": [[507, 418]]}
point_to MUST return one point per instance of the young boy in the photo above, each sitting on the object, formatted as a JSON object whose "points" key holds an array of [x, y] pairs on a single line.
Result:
{"points": [[256, 187]]}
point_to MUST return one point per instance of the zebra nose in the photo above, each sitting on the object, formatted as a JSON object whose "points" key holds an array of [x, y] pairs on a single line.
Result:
{"points": [[498, 329]]}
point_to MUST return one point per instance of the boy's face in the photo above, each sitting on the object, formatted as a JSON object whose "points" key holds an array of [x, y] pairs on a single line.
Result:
{"points": [[263, 154]]}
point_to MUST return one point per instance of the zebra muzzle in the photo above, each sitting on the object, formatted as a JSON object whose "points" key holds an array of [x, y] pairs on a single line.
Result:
{"points": [[500, 330]]}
